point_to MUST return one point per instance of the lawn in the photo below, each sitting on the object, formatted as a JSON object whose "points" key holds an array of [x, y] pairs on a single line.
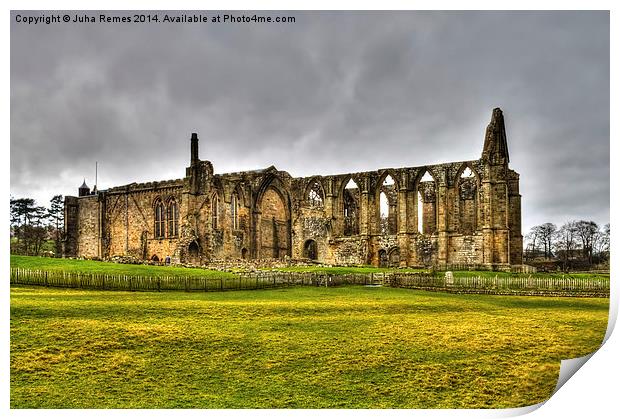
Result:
{"points": [[111, 268], [304, 347]]}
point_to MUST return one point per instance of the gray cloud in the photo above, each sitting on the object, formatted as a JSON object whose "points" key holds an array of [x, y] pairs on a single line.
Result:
{"points": [[334, 92]]}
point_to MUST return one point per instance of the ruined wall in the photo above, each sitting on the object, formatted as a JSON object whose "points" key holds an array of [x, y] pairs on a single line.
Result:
{"points": [[130, 220], [467, 218]]}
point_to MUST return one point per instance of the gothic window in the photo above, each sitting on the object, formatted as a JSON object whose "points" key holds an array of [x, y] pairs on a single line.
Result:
{"points": [[388, 203], [172, 216], [214, 212], [159, 220], [350, 204], [468, 202], [427, 207], [234, 211], [315, 195]]}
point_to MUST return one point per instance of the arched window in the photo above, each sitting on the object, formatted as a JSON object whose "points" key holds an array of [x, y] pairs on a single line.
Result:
{"points": [[315, 195], [159, 220], [234, 211], [468, 202], [172, 215], [388, 203], [214, 212], [350, 206]]}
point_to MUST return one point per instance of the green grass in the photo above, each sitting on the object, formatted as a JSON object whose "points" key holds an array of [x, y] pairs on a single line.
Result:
{"points": [[348, 347], [110, 268]]}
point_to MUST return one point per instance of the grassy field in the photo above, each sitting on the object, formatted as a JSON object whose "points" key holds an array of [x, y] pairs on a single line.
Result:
{"points": [[347, 347], [92, 266]]}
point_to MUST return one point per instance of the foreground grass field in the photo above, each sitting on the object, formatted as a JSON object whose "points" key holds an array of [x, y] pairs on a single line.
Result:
{"points": [[348, 347]]}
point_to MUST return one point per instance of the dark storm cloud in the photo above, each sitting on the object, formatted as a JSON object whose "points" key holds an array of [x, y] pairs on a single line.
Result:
{"points": [[331, 93]]}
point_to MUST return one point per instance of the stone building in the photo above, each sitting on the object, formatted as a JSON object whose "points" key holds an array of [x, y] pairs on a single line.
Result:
{"points": [[465, 212]]}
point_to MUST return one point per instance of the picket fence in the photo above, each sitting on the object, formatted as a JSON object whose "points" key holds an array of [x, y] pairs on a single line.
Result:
{"points": [[241, 281], [521, 285]]}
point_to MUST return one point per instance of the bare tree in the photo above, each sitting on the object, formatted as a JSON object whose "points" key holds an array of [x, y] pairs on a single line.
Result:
{"points": [[530, 248], [566, 239], [587, 232], [546, 232], [600, 244]]}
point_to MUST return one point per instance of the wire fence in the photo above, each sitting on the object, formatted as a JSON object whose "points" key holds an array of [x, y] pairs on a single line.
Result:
{"points": [[518, 285]]}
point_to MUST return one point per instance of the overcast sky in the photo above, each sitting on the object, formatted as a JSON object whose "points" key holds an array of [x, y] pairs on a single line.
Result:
{"points": [[332, 93]]}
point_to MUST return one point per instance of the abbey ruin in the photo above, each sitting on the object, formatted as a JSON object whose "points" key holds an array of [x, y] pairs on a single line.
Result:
{"points": [[465, 212]]}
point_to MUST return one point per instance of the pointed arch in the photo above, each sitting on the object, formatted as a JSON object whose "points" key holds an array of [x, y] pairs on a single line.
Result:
{"points": [[426, 200], [463, 169], [272, 209], [215, 211], [234, 210], [172, 217], [160, 223], [467, 184], [386, 199], [314, 193], [241, 195], [350, 206]]}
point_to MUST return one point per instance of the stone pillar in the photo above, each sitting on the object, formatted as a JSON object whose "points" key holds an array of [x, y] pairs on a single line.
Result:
{"points": [[442, 218]]}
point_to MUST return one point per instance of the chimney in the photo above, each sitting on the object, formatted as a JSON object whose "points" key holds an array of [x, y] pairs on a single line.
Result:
{"points": [[194, 149]]}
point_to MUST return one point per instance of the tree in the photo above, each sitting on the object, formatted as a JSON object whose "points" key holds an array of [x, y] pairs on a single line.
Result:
{"points": [[587, 232], [546, 232], [22, 210], [56, 217], [36, 231], [530, 248], [566, 241], [600, 244]]}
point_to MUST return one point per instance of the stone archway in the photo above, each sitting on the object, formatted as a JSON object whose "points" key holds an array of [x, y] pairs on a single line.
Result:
{"points": [[274, 226], [193, 253], [394, 257], [310, 250], [383, 258]]}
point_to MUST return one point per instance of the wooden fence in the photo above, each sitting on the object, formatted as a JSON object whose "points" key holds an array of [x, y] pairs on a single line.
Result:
{"points": [[521, 285], [241, 281]]}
